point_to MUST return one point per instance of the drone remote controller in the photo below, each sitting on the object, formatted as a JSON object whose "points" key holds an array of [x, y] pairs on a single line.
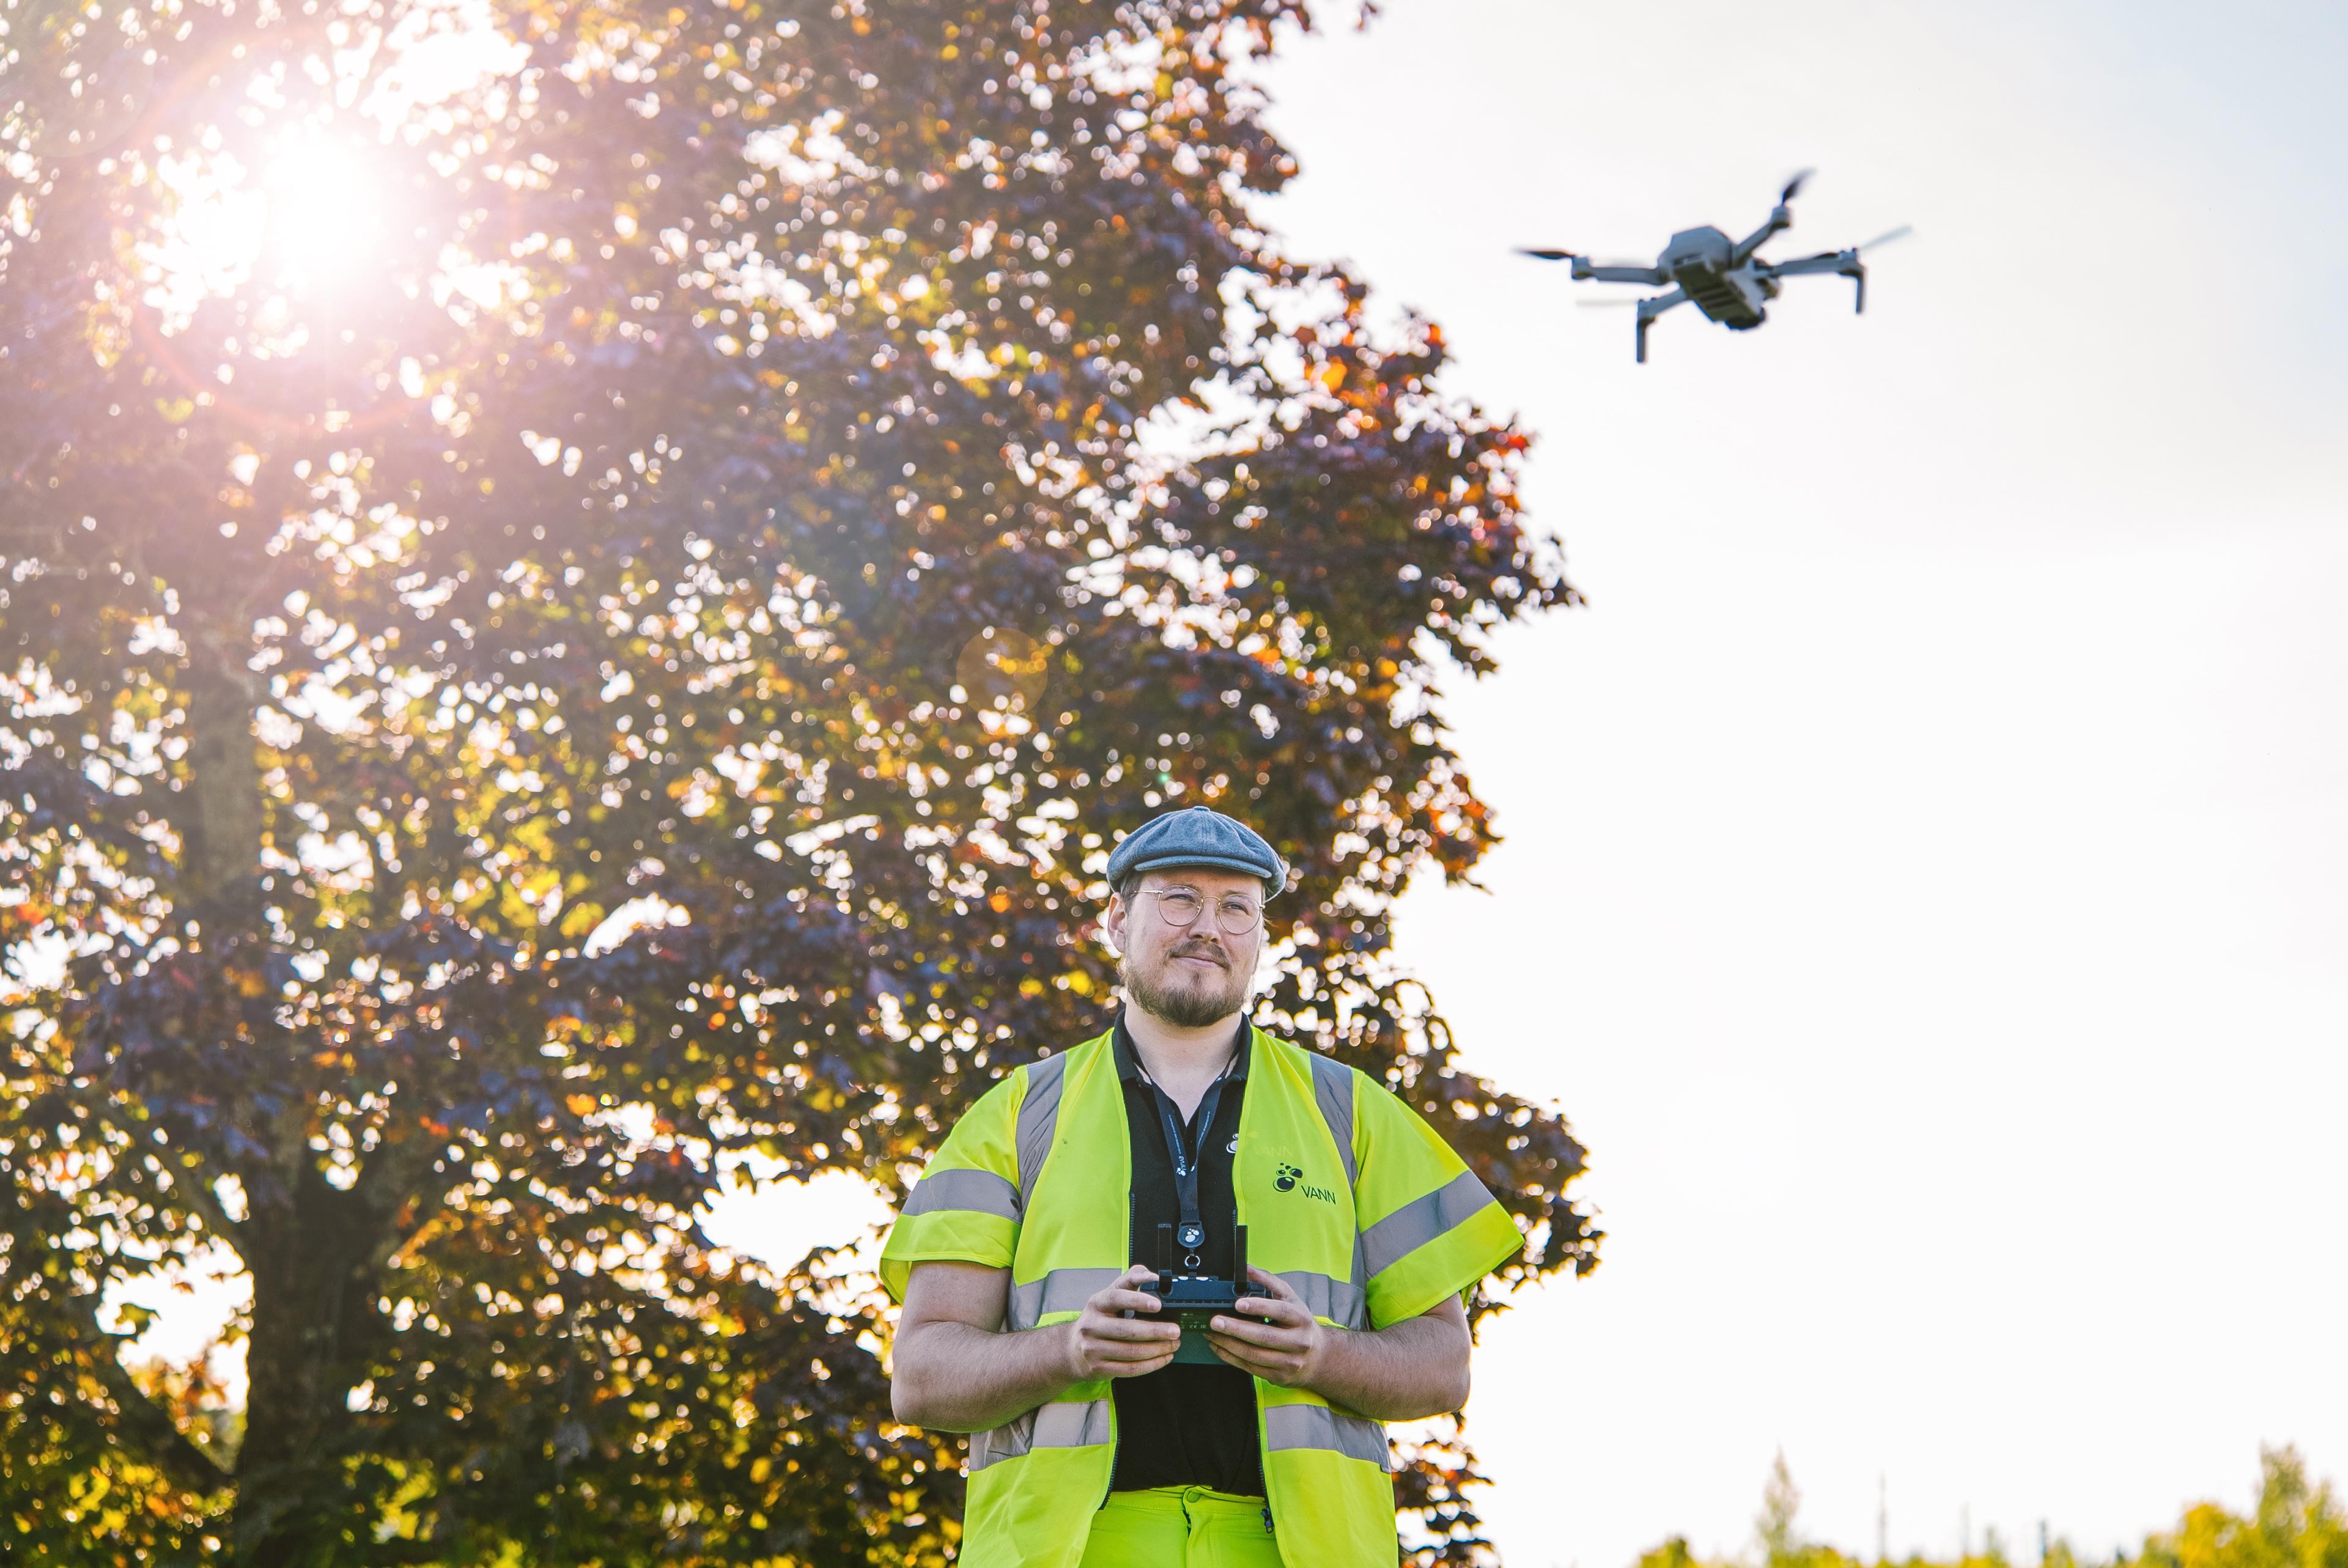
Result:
{"points": [[1192, 1297]]}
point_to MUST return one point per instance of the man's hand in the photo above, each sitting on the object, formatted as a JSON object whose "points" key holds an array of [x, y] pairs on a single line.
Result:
{"points": [[1399, 1373], [1103, 1344], [1288, 1351]]}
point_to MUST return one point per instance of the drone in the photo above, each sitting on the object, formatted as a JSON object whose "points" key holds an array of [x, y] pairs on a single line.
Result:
{"points": [[1725, 278]]}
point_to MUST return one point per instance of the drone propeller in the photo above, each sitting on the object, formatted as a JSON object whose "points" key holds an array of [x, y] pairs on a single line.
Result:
{"points": [[1794, 187], [1549, 255], [1900, 233], [1617, 304]]}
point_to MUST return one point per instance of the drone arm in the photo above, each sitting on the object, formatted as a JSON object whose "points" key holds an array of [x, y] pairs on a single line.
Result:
{"points": [[1825, 262], [1585, 271], [1842, 263], [1781, 218]]}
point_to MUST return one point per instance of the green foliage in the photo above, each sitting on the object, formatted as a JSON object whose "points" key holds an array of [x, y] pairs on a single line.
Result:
{"points": [[626, 655], [1673, 1553], [2296, 1525]]}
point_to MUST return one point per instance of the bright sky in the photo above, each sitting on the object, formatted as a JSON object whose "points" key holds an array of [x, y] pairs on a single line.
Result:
{"points": [[1926, 875]]}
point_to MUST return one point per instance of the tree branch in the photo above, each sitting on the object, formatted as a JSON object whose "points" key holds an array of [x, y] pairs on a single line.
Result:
{"points": [[206, 1205], [144, 1427], [149, 1429]]}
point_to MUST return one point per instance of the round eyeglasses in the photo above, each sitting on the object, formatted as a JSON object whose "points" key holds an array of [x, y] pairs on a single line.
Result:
{"points": [[1181, 907]]}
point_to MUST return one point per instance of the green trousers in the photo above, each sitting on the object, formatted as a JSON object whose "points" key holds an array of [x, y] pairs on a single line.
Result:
{"points": [[1181, 1527]]}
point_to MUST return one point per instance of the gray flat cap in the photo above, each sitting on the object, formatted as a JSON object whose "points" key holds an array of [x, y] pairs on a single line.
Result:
{"points": [[1199, 836]]}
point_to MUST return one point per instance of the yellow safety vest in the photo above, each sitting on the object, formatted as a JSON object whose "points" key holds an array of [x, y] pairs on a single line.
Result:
{"points": [[1348, 1196]]}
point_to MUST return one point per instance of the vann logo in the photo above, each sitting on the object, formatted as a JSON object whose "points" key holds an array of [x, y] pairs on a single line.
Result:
{"points": [[1288, 1177]]}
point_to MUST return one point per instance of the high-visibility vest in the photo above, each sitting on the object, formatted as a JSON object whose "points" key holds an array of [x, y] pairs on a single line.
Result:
{"points": [[1348, 1196]]}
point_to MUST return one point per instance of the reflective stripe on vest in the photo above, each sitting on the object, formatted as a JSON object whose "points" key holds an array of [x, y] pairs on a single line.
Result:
{"points": [[982, 1192], [1342, 1302], [1332, 1091], [1065, 1291], [1322, 1427], [1414, 1224], [1062, 1424], [1039, 1119]]}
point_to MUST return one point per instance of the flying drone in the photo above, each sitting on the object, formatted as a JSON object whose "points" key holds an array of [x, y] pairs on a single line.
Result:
{"points": [[1725, 278]]}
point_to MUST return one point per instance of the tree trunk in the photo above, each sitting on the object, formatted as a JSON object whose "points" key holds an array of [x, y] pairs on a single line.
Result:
{"points": [[311, 1248], [314, 1325], [221, 824]]}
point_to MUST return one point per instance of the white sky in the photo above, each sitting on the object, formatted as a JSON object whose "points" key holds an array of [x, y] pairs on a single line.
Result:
{"points": [[1926, 876]]}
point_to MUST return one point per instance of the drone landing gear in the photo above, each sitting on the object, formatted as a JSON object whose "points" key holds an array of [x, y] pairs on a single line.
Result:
{"points": [[1650, 309]]}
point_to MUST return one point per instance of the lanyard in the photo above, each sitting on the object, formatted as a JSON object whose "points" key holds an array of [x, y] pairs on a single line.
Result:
{"points": [[1184, 1150]]}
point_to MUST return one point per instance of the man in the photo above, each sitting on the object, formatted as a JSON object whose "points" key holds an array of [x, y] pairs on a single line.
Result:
{"points": [[1102, 1439]]}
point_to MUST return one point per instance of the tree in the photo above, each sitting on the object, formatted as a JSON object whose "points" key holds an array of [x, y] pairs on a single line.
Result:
{"points": [[1673, 1553], [1781, 1504], [586, 585], [2295, 1524]]}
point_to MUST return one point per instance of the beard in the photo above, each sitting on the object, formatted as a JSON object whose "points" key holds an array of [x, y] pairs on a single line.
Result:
{"points": [[1203, 1000]]}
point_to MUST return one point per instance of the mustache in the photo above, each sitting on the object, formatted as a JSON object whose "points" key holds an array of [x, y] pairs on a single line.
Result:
{"points": [[1196, 949]]}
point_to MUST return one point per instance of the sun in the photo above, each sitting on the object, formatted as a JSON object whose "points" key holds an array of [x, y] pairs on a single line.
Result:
{"points": [[296, 227], [294, 220], [328, 205]]}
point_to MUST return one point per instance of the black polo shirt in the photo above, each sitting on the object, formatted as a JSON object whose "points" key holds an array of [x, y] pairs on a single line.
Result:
{"points": [[1185, 1424]]}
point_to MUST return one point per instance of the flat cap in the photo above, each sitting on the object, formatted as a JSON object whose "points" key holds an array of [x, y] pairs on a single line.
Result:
{"points": [[1199, 836]]}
